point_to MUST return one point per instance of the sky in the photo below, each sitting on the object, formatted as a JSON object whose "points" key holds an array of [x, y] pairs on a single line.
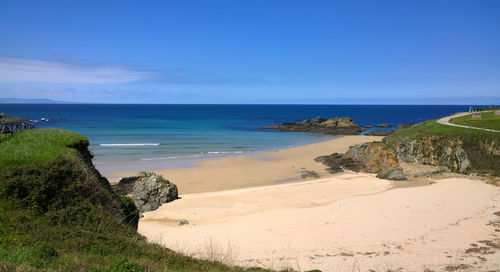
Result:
{"points": [[254, 51]]}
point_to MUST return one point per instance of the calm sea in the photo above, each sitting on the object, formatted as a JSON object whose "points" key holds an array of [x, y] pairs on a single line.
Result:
{"points": [[136, 137]]}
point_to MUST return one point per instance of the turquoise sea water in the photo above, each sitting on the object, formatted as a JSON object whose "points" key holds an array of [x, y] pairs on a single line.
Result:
{"points": [[146, 137]]}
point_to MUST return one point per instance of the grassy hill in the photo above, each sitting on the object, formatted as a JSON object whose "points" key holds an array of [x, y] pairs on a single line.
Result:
{"points": [[489, 120], [57, 213]]}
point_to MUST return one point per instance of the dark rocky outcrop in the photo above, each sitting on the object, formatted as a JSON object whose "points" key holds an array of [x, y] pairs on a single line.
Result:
{"points": [[368, 157], [372, 157], [383, 126], [392, 174], [147, 190], [333, 126]]}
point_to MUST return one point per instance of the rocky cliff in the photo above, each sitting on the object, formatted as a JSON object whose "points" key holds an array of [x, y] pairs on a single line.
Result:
{"points": [[333, 126], [368, 157], [460, 153]]}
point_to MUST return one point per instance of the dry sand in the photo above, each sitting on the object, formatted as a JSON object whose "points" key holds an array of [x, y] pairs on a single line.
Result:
{"points": [[259, 169], [346, 222], [349, 222]]}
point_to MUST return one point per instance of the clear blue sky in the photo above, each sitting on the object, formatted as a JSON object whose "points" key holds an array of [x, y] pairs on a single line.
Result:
{"points": [[255, 51]]}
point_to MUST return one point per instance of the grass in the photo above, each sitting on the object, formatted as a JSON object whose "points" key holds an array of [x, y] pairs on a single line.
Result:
{"points": [[35, 147], [58, 214], [431, 126], [489, 120]]}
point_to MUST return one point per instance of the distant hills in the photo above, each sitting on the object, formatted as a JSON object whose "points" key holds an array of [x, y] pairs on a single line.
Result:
{"points": [[33, 101]]}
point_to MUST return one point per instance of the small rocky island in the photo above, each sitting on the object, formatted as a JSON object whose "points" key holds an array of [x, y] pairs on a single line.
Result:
{"points": [[332, 126]]}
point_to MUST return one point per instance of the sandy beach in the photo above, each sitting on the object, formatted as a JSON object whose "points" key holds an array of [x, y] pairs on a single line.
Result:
{"points": [[241, 212], [260, 169]]}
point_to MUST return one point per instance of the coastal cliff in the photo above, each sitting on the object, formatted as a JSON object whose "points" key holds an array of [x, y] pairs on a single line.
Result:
{"points": [[440, 148], [333, 126], [59, 214], [463, 152]]}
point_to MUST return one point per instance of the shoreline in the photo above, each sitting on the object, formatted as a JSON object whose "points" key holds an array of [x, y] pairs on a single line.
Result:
{"points": [[113, 170], [266, 168]]}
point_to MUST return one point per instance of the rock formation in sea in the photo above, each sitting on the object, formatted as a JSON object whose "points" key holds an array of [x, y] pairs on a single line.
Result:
{"points": [[147, 190], [333, 126]]}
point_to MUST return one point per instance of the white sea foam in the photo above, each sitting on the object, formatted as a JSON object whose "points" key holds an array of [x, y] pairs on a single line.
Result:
{"points": [[173, 157], [225, 152], [146, 144]]}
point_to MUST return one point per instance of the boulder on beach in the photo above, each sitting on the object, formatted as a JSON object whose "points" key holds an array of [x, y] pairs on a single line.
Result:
{"points": [[147, 190]]}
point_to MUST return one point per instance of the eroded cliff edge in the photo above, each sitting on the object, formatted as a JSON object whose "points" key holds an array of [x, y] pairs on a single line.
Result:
{"points": [[440, 148]]}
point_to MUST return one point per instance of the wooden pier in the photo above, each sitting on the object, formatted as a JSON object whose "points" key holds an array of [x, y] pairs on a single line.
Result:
{"points": [[10, 124]]}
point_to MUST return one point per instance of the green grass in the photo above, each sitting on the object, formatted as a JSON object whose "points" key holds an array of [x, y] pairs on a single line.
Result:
{"points": [[58, 214], [489, 120], [37, 146], [431, 126]]}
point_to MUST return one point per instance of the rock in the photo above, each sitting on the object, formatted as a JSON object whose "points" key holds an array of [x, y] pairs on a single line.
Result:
{"points": [[371, 157], [147, 190], [308, 174], [438, 170], [367, 157], [383, 126], [379, 133], [183, 222], [432, 149], [392, 174], [336, 161], [368, 126], [333, 126], [334, 170]]}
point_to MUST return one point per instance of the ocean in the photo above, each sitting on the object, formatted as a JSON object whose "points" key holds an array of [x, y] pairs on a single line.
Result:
{"points": [[147, 137]]}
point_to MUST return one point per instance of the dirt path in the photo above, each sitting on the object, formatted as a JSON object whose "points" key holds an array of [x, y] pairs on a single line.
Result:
{"points": [[446, 121]]}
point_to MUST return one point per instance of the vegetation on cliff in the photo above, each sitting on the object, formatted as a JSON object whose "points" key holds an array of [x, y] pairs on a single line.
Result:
{"points": [[59, 214], [462, 150]]}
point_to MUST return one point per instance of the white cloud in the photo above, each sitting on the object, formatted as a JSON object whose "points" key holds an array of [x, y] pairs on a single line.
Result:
{"points": [[17, 70]]}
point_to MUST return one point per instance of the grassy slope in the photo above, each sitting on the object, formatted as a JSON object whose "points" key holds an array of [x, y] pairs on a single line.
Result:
{"points": [[48, 221], [36, 147], [431, 126], [490, 120]]}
